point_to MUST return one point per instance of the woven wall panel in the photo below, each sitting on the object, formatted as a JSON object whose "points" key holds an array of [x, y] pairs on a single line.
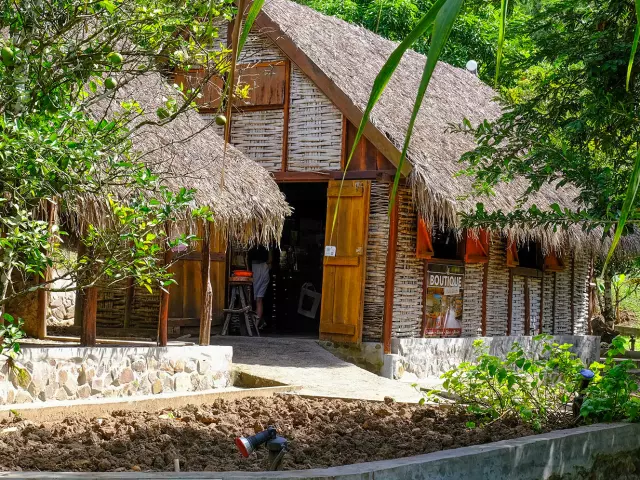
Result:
{"points": [[145, 308], [581, 294], [407, 301], [315, 128], [472, 300], [260, 48], [376, 262], [518, 306], [111, 302], [535, 295], [497, 288], [547, 316], [259, 136], [563, 296]]}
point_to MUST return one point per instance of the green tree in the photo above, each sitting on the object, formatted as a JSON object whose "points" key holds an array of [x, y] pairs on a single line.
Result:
{"points": [[61, 63]]}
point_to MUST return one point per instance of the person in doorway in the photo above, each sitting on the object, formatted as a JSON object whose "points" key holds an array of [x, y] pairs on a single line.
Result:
{"points": [[259, 261]]}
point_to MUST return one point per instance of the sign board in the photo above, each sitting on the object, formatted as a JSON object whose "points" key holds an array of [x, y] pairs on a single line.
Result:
{"points": [[329, 251], [452, 290], [447, 281]]}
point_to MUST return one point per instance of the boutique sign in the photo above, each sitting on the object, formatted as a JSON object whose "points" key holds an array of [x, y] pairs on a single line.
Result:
{"points": [[450, 282]]}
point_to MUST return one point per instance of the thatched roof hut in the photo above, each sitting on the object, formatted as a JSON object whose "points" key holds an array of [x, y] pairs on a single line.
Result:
{"points": [[188, 152], [351, 56]]}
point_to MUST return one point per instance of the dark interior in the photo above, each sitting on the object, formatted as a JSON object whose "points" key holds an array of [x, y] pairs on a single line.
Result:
{"points": [[530, 255], [445, 244], [298, 262]]}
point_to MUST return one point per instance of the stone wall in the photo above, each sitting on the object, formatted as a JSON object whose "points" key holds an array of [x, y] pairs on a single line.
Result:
{"points": [[70, 373], [431, 357]]}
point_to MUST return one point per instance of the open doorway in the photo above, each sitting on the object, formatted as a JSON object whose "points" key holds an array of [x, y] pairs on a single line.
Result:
{"points": [[292, 303]]}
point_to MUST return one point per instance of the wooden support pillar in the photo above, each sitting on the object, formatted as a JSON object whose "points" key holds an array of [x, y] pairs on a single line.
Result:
{"points": [[207, 290], [390, 276], [527, 307], [128, 302], [89, 315], [510, 302], [43, 293], [485, 289], [540, 326], [163, 316]]}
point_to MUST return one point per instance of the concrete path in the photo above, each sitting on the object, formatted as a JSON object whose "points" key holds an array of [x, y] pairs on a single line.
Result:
{"points": [[297, 361]]}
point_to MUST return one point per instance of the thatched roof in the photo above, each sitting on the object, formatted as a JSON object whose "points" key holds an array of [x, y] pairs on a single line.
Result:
{"points": [[188, 152], [351, 57]]}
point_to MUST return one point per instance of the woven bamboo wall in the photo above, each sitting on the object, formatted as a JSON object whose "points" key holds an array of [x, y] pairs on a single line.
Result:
{"points": [[472, 300], [111, 302], [376, 262], [547, 315], [407, 300], [563, 296], [535, 295], [259, 48], [581, 294], [518, 306], [259, 136], [315, 128], [497, 288], [145, 309]]}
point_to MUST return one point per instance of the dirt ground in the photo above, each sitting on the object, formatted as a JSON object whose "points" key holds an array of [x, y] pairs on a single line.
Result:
{"points": [[321, 433]]}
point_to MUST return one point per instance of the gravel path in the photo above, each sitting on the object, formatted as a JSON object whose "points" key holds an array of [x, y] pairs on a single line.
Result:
{"points": [[296, 361]]}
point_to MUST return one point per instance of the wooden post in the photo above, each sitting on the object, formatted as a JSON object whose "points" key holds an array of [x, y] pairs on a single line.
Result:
{"points": [[527, 307], [571, 296], [390, 276], [89, 314], [425, 286], [485, 288], [540, 327], [510, 302], [207, 290], [43, 293], [285, 128], [163, 316], [128, 302]]}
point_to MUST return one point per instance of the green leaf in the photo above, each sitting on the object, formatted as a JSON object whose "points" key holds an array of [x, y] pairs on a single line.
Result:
{"points": [[501, 34], [254, 10], [634, 46], [441, 29], [627, 207], [381, 81]]}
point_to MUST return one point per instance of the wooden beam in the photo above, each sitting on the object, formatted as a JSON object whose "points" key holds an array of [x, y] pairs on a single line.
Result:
{"points": [[290, 177], [425, 285], [390, 277], [281, 39], [380, 175], [163, 316], [485, 288], [43, 293], [206, 311], [287, 102], [89, 316], [527, 307], [510, 303]]}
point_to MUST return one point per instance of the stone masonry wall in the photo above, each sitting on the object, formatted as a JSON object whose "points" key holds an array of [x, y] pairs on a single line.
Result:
{"points": [[73, 373], [472, 300]]}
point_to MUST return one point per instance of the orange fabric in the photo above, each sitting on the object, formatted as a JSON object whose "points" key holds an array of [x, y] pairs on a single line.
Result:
{"points": [[424, 244]]}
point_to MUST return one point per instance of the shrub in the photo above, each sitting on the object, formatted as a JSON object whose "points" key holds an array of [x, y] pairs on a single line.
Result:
{"points": [[535, 385], [612, 393]]}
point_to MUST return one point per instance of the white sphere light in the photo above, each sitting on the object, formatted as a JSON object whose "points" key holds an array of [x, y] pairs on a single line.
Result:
{"points": [[472, 66]]}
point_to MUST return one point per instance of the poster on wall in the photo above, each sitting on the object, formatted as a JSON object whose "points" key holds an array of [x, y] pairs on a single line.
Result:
{"points": [[444, 302]]}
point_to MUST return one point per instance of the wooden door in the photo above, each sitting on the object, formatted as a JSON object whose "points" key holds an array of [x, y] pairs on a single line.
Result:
{"points": [[344, 273], [185, 298]]}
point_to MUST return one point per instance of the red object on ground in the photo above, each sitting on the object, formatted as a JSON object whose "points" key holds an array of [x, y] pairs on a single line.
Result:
{"points": [[242, 447]]}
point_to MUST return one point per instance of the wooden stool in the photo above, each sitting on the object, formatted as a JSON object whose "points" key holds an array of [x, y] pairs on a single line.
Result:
{"points": [[240, 292]]}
